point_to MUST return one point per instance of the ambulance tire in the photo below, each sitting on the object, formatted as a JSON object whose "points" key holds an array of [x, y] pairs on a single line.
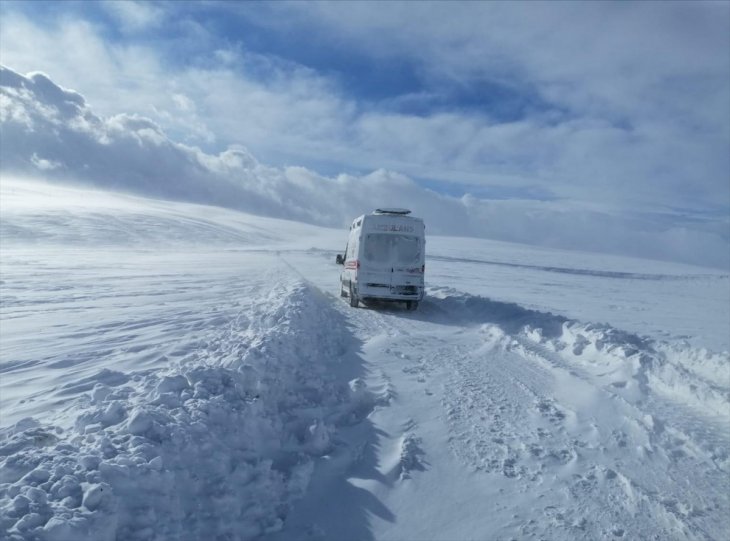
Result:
{"points": [[412, 305], [342, 290], [354, 301]]}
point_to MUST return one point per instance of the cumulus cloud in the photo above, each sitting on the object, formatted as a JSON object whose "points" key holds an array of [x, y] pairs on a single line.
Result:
{"points": [[626, 105], [43, 164], [53, 132], [49, 129]]}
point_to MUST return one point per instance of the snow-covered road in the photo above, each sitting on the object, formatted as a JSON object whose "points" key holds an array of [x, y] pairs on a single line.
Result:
{"points": [[179, 372], [500, 421]]}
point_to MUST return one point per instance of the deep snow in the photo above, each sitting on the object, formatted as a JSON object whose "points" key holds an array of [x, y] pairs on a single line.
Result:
{"points": [[173, 371]]}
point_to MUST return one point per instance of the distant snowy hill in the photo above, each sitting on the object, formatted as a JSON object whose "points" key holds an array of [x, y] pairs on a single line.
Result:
{"points": [[179, 371], [52, 132], [41, 213]]}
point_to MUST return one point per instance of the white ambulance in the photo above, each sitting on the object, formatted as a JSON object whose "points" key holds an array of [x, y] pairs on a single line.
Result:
{"points": [[384, 259]]}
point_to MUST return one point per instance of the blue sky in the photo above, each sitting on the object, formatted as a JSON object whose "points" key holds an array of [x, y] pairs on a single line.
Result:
{"points": [[619, 107]]}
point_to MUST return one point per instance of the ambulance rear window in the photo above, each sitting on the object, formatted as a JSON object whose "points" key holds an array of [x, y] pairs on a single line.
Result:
{"points": [[408, 249], [389, 248]]}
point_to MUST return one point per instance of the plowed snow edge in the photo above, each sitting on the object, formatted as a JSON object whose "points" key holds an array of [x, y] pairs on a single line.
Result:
{"points": [[217, 446]]}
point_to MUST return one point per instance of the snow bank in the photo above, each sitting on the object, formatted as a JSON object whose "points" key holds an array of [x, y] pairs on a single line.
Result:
{"points": [[698, 377], [629, 364], [216, 447]]}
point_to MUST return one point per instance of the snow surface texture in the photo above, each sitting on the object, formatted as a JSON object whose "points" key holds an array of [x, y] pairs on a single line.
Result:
{"points": [[172, 371], [214, 446]]}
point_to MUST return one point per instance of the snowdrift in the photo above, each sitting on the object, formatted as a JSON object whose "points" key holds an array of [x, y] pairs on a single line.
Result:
{"points": [[631, 365], [216, 447]]}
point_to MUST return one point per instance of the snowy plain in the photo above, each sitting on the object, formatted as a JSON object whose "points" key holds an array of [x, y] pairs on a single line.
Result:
{"points": [[176, 371]]}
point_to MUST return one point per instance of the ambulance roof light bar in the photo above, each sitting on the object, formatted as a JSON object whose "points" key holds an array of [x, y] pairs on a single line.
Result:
{"points": [[395, 211]]}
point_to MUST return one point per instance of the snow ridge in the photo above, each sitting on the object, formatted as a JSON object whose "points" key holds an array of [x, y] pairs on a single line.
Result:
{"points": [[625, 362], [520, 398], [216, 447]]}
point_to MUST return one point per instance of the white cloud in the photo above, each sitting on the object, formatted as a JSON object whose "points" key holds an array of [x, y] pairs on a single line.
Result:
{"points": [[44, 165], [646, 89], [54, 129], [133, 15], [183, 103], [647, 106]]}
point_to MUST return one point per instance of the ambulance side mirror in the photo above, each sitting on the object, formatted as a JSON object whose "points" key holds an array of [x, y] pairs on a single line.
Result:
{"points": [[339, 260]]}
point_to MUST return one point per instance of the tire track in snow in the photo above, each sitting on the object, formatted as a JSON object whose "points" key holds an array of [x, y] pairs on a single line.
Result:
{"points": [[508, 377], [656, 458], [709, 434], [507, 420]]}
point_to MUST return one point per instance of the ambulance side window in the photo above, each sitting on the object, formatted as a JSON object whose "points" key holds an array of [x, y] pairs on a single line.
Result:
{"points": [[351, 249]]}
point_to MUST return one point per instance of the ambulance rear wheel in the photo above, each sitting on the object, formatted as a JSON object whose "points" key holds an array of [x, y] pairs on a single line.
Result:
{"points": [[342, 290], [354, 301]]}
